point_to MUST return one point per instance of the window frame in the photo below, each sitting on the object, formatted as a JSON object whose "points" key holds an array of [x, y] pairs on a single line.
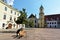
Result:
{"points": [[11, 11], [4, 16], [5, 8], [3, 25]]}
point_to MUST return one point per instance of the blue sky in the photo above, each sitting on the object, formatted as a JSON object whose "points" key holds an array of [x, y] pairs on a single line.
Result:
{"points": [[32, 6]]}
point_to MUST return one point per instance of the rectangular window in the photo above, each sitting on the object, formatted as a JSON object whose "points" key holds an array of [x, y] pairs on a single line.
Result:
{"points": [[3, 25], [10, 18], [47, 23], [11, 11], [35, 21], [55, 26], [50, 22], [50, 26], [4, 17], [15, 13], [14, 19], [5, 8]]}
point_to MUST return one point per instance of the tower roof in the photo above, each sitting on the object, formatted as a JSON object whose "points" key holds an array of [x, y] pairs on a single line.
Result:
{"points": [[41, 7]]}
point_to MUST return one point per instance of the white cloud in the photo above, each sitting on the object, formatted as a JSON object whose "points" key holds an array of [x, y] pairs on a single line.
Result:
{"points": [[10, 2]]}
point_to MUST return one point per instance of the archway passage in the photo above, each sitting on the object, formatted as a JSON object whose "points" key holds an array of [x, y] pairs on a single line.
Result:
{"points": [[10, 26]]}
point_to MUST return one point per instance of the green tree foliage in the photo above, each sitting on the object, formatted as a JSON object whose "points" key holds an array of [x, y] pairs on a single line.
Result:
{"points": [[31, 23], [22, 19]]}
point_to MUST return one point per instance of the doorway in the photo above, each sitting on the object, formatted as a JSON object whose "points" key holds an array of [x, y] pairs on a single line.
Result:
{"points": [[10, 26]]}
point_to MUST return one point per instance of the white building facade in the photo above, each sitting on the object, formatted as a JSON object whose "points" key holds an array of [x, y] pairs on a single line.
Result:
{"points": [[8, 16], [53, 21], [51, 24]]}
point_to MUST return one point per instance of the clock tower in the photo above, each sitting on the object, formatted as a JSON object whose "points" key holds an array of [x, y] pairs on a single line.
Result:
{"points": [[41, 17]]}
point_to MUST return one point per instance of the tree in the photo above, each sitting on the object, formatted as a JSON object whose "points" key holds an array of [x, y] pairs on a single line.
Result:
{"points": [[22, 19], [31, 23]]}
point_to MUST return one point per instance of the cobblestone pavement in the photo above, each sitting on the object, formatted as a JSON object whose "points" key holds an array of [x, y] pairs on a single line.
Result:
{"points": [[35, 34]]}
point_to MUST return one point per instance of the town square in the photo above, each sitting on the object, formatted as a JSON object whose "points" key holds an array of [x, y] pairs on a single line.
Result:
{"points": [[29, 20]]}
